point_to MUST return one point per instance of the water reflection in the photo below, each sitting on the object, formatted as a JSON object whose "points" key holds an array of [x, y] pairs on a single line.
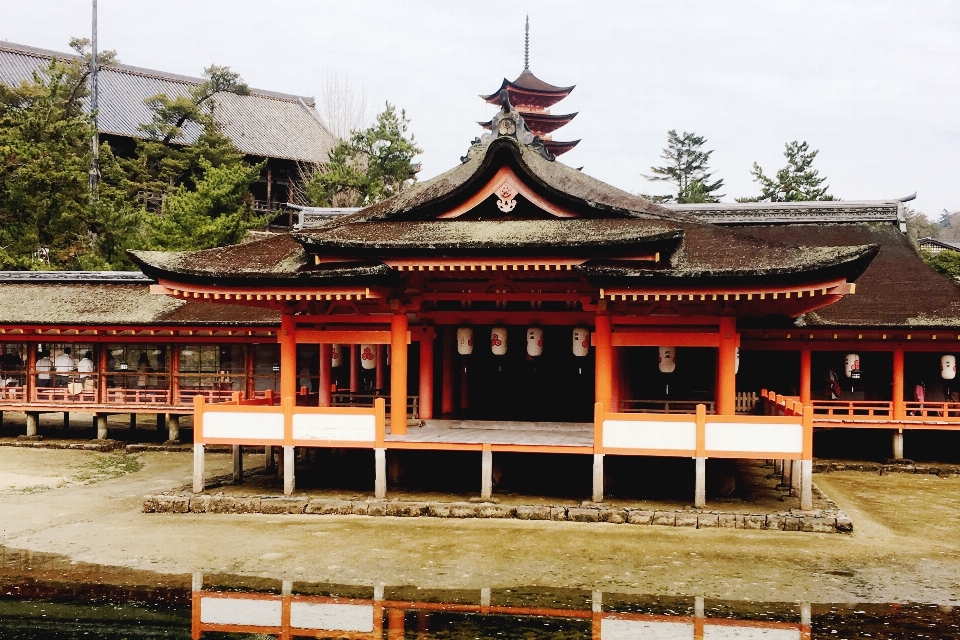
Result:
{"points": [[47, 597]]}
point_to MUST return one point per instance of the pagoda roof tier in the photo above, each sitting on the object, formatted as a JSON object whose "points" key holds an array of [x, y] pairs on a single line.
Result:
{"points": [[529, 90], [539, 123], [559, 148]]}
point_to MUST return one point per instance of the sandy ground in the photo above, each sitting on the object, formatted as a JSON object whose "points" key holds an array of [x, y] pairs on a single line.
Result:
{"points": [[905, 546]]}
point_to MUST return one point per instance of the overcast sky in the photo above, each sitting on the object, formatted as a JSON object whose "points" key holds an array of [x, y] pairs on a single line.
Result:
{"points": [[875, 86]]}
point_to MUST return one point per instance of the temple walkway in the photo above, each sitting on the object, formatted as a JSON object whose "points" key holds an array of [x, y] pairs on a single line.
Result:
{"points": [[558, 434]]}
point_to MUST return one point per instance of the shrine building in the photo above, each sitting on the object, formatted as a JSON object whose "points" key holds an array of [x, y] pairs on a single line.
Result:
{"points": [[512, 305]]}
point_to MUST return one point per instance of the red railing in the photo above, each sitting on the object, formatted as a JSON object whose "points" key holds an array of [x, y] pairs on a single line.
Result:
{"points": [[853, 408]]}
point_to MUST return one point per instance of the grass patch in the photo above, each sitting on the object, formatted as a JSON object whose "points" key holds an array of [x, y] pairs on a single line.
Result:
{"points": [[108, 467]]}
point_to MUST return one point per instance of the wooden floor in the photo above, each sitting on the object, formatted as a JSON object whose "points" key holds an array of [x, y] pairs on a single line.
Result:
{"points": [[557, 434]]}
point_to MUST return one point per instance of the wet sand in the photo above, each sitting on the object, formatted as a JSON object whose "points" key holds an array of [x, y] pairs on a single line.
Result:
{"points": [[905, 545]]}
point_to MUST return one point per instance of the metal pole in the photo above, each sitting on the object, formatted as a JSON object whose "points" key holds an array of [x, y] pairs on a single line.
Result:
{"points": [[94, 106]]}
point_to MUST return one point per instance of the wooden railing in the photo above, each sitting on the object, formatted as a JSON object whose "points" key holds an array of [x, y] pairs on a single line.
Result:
{"points": [[344, 399], [933, 411], [853, 408], [663, 406], [747, 401]]}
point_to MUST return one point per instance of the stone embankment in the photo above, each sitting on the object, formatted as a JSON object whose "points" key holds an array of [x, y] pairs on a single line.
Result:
{"points": [[830, 520]]}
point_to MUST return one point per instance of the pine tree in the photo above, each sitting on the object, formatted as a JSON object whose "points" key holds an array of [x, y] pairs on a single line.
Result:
{"points": [[375, 164], [686, 167], [796, 182]]}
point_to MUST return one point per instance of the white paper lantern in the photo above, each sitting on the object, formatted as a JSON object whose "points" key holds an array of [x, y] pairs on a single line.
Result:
{"points": [[368, 356], [534, 341], [736, 361], [851, 366], [498, 341], [581, 342], [336, 355], [948, 367], [667, 360], [464, 341]]}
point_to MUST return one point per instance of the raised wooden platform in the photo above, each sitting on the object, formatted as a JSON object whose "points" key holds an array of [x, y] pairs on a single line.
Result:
{"points": [[474, 435]]}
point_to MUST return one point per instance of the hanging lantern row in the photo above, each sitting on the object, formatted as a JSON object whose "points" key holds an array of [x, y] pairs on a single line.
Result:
{"points": [[534, 342], [581, 342], [498, 341], [667, 359], [464, 341], [948, 367], [336, 355], [851, 366]]}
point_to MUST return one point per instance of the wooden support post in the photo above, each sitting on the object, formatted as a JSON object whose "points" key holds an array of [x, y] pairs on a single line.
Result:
{"points": [[173, 428], [161, 421], [726, 367], [101, 421], [66, 420], [31, 381], [598, 477], [899, 409], [603, 340], [174, 374], [133, 421], [395, 630], [326, 374], [795, 470], [289, 471], [486, 472], [268, 461], [269, 189], [614, 379], [288, 356], [806, 375], [898, 444], [806, 461], [198, 470], [354, 368], [449, 349], [381, 374], [700, 479], [237, 464], [380, 473], [398, 373], [33, 421], [249, 367], [426, 377]]}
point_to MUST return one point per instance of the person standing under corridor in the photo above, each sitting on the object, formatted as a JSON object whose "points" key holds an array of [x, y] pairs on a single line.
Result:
{"points": [[64, 365]]}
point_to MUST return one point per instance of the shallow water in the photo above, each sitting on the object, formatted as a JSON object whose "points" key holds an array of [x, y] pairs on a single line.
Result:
{"points": [[46, 596]]}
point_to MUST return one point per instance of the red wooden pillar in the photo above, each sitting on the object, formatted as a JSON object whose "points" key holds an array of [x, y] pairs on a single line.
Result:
{"points": [[615, 379], [398, 373], [726, 367], [806, 376], [899, 411], [603, 341], [288, 356], [381, 382], [326, 374], [446, 393], [174, 374], [354, 368], [395, 630], [31, 381], [102, 373], [248, 354], [426, 375]]}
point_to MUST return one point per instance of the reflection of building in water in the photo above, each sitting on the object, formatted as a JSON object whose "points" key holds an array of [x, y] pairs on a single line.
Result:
{"points": [[289, 614]]}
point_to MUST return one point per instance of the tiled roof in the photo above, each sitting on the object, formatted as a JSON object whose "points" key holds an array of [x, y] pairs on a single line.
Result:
{"points": [[264, 123]]}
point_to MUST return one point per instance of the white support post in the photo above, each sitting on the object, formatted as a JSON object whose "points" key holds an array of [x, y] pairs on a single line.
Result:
{"points": [[596, 601], [806, 485], [380, 473], [173, 427], [700, 486], [806, 618], [198, 468], [699, 607], [598, 477], [268, 458], [289, 468], [33, 419], [778, 467], [795, 474], [101, 426], [485, 596], [486, 473], [286, 588], [196, 583], [237, 464], [898, 444]]}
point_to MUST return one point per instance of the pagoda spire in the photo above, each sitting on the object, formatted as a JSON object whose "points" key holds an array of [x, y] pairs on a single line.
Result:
{"points": [[526, 46]]}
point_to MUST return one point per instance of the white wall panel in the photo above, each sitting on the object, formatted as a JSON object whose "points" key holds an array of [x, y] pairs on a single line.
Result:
{"points": [[740, 436], [240, 611], [331, 617], [653, 434], [614, 629], [338, 427], [243, 425]]}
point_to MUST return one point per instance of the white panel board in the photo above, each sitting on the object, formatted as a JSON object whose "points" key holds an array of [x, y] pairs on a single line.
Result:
{"points": [[614, 629], [740, 436], [334, 426], [652, 434], [243, 425], [331, 617], [240, 611], [733, 632]]}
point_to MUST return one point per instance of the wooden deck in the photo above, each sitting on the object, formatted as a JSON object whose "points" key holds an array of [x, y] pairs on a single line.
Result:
{"points": [[474, 435]]}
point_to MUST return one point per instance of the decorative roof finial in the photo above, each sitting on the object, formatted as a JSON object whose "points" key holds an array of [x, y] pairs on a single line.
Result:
{"points": [[526, 46]]}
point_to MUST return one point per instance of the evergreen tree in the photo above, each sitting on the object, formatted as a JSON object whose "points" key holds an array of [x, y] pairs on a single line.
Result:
{"points": [[686, 167], [375, 164], [796, 182]]}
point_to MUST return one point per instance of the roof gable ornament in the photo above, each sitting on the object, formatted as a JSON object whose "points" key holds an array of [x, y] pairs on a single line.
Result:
{"points": [[508, 123]]}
